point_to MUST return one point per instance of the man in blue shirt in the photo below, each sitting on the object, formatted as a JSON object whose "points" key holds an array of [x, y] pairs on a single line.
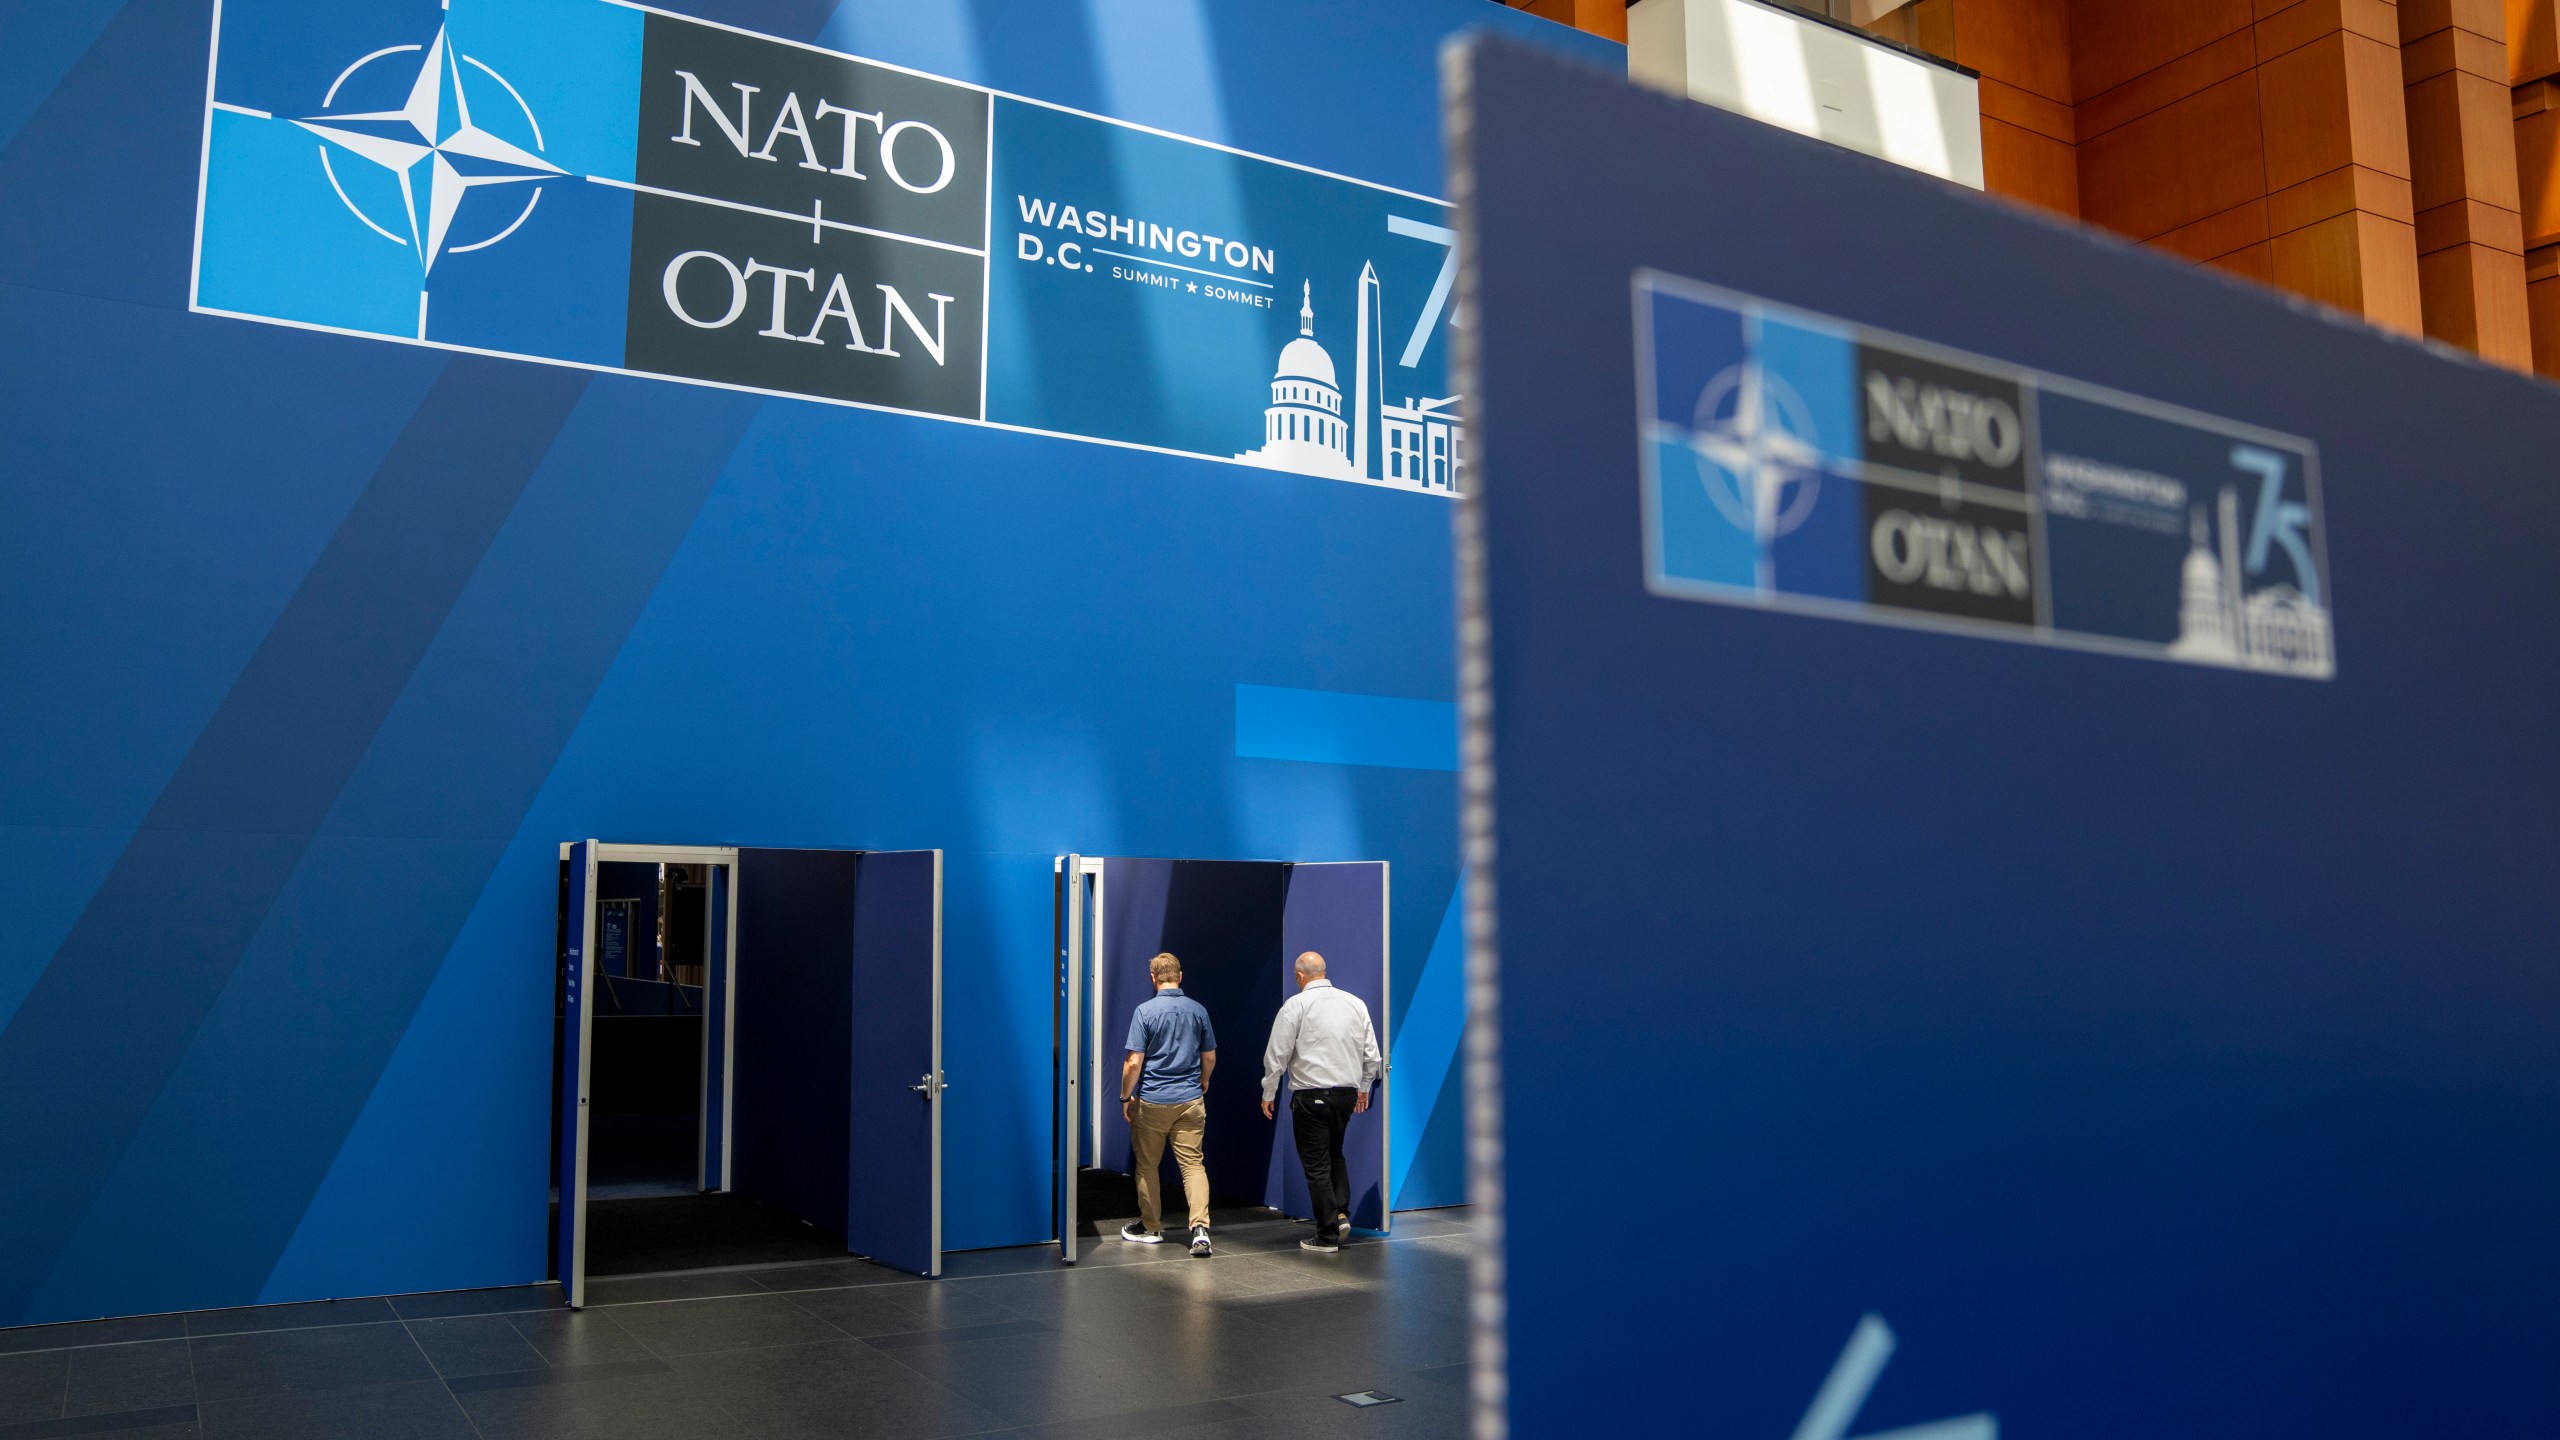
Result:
{"points": [[1163, 1088]]}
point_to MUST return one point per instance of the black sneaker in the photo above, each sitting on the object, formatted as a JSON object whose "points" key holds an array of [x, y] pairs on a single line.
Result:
{"points": [[1200, 1241], [1136, 1236], [1321, 1245]]}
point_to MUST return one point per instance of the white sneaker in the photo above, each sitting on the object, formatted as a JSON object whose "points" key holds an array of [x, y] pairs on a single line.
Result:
{"points": [[1200, 1240], [1135, 1236]]}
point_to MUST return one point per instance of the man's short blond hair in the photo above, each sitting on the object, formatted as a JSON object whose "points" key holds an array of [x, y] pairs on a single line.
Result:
{"points": [[1165, 968]]}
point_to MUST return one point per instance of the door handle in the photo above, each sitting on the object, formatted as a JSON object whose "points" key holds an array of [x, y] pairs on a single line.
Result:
{"points": [[932, 1087]]}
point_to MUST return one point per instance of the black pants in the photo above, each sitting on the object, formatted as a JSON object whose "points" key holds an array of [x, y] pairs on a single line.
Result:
{"points": [[1318, 1118]]}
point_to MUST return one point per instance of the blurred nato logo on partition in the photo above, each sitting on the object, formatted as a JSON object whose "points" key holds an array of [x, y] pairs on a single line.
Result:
{"points": [[1797, 462]]}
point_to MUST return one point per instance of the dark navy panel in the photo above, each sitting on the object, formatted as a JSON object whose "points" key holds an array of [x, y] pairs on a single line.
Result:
{"points": [[1221, 919], [1340, 912], [890, 1182], [2156, 1049], [1135, 894], [794, 1030], [100, 181], [634, 953]]}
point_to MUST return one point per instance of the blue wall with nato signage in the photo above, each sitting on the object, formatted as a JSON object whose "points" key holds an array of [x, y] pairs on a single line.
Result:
{"points": [[331, 638], [2055, 1017]]}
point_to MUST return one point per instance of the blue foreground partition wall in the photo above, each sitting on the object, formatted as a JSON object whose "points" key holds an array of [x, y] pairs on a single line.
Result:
{"points": [[334, 634], [2021, 811]]}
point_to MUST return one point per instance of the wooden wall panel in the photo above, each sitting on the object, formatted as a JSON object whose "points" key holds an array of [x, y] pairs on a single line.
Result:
{"points": [[2533, 40], [2024, 43], [2474, 296], [2233, 54], [2112, 41], [2287, 26], [2332, 102], [2242, 227], [2179, 164], [2029, 111], [2542, 309], [2257, 262], [2026, 165], [2533, 69], [1599, 17], [2349, 187], [2274, 139], [2462, 143], [2537, 126], [2359, 262], [2463, 176]]}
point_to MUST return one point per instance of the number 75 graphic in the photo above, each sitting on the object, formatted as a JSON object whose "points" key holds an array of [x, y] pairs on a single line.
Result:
{"points": [[1439, 302], [2277, 521]]}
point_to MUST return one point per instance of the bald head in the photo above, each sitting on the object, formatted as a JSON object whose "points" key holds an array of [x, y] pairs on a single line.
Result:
{"points": [[1310, 967]]}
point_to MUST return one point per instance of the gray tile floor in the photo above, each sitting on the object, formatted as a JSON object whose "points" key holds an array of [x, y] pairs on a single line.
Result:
{"points": [[1135, 1341]]}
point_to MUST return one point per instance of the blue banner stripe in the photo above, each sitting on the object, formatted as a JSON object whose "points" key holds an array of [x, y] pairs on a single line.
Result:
{"points": [[1428, 1031], [45, 42], [543, 621], [125, 995], [1333, 727]]}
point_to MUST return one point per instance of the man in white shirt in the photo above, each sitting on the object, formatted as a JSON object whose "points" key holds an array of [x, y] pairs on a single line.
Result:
{"points": [[1323, 1042]]}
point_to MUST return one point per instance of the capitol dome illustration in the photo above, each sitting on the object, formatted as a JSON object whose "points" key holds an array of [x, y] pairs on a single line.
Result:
{"points": [[2222, 622], [1303, 358], [1303, 430], [1307, 429]]}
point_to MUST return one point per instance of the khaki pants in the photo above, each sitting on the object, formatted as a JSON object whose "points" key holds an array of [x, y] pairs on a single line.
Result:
{"points": [[1148, 1131]]}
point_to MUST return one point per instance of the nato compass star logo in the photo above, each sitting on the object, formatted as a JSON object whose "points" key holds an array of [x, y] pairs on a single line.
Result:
{"points": [[1758, 453], [439, 155]]}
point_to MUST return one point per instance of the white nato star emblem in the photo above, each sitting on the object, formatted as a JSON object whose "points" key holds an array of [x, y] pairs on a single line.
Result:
{"points": [[446, 156], [1757, 451]]}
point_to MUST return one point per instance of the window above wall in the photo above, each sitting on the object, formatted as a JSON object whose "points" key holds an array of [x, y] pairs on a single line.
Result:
{"points": [[1810, 71]]}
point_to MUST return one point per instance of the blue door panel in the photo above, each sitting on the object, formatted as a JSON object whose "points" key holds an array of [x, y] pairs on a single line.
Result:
{"points": [[894, 1077]]}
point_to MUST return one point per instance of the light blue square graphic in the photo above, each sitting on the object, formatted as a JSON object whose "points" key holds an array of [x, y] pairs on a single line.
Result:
{"points": [[1818, 369], [575, 67], [1811, 372], [279, 242], [1694, 540], [425, 172]]}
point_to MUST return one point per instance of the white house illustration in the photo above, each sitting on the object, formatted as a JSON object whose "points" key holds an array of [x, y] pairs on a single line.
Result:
{"points": [[1305, 429], [1422, 443], [2278, 628]]}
